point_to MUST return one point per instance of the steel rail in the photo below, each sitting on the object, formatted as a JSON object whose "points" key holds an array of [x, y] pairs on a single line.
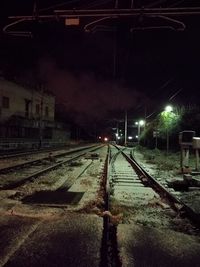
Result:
{"points": [[106, 220], [20, 165], [29, 152]]}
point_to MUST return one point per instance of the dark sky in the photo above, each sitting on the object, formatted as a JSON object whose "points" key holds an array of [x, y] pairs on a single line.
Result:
{"points": [[150, 65]]}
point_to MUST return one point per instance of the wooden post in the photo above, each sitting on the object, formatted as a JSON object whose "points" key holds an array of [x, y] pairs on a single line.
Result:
{"points": [[187, 153], [182, 157], [197, 159], [184, 161]]}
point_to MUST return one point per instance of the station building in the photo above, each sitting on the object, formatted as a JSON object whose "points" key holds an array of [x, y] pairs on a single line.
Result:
{"points": [[27, 118]]}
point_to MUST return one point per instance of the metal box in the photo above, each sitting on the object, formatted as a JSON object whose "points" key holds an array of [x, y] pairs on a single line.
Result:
{"points": [[186, 137], [196, 142]]}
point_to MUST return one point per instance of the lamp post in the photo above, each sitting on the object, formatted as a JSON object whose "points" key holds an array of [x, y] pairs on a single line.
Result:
{"points": [[139, 124], [168, 110], [125, 129]]}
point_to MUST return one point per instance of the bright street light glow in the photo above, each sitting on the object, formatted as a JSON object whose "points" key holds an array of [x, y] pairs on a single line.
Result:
{"points": [[105, 139], [141, 122], [136, 136], [130, 137], [168, 108], [118, 137]]}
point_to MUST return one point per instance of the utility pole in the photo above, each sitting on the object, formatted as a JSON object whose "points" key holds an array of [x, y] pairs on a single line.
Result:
{"points": [[125, 129], [41, 118], [114, 53]]}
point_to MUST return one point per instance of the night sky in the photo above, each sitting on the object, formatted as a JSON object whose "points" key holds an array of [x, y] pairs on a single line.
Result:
{"points": [[96, 76]]}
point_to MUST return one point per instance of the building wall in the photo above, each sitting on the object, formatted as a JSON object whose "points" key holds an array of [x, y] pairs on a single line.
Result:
{"points": [[21, 123], [24, 102]]}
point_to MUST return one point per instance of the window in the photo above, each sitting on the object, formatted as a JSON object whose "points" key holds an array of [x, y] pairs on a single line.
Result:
{"points": [[46, 112], [37, 109], [5, 102], [27, 107]]}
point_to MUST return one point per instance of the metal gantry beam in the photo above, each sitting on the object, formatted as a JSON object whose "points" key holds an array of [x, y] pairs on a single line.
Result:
{"points": [[98, 15], [116, 12]]}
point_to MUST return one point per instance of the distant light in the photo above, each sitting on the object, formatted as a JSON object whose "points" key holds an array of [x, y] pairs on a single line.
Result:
{"points": [[105, 139], [168, 108], [118, 137], [130, 137], [99, 137], [140, 122], [136, 136], [116, 134]]}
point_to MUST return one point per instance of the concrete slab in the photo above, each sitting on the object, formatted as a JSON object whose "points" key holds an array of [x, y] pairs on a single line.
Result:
{"points": [[131, 175], [13, 231], [128, 181], [144, 246], [142, 191], [125, 184], [72, 240]]}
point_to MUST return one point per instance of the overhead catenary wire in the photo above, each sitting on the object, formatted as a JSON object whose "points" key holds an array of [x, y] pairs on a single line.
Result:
{"points": [[164, 13]]}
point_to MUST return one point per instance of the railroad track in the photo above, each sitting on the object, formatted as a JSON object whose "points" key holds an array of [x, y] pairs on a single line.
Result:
{"points": [[14, 154], [26, 161], [130, 186], [166, 192], [129, 174], [19, 174], [127, 192], [21, 153]]}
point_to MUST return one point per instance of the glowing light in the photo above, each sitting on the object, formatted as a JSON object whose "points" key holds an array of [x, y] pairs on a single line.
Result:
{"points": [[168, 108], [141, 122], [136, 136], [99, 137], [105, 139], [130, 137]]}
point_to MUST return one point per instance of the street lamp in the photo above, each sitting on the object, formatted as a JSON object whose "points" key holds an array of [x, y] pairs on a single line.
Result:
{"points": [[125, 128], [139, 124], [168, 110]]}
